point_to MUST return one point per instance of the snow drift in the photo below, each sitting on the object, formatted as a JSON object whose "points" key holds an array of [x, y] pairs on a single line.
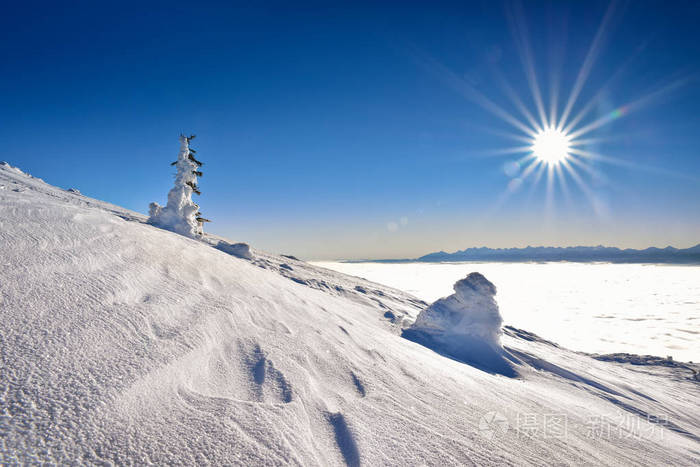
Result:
{"points": [[123, 343], [466, 325], [241, 250]]}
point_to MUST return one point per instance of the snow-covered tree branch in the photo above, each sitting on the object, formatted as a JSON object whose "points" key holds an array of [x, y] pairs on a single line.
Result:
{"points": [[181, 214]]}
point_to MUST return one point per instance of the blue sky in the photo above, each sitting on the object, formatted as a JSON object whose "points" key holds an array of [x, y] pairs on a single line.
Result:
{"points": [[360, 130]]}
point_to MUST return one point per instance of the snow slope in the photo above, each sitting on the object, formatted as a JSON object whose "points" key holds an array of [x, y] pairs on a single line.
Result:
{"points": [[124, 343]]}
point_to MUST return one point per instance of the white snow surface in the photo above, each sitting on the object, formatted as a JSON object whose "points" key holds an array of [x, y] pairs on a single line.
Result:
{"points": [[125, 343]]}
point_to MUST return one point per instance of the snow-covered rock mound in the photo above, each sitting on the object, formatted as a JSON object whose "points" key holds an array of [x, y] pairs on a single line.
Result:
{"points": [[466, 325], [471, 311], [122, 343], [240, 250]]}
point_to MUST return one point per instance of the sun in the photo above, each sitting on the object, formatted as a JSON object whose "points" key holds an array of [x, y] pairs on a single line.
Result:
{"points": [[556, 137], [551, 146]]}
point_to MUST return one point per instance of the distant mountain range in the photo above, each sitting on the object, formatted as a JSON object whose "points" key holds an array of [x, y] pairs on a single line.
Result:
{"points": [[572, 253]]}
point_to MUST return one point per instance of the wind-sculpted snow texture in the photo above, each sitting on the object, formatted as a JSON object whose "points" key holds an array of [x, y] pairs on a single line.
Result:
{"points": [[466, 325], [124, 343]]}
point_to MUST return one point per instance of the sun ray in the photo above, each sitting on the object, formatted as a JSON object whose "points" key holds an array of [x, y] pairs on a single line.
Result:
{"points": [[576, 177], [633, 165], [510, 189], [468, 92], [553, 98], [529, 169], [563, 184], [591, 57], [536, 181], [589, 141], [629, 107], [601, 93], [549, 195], [585, 167], [507, 151], [526, 158], [598, 157], [538, 176], [557, 49], [595, 204], [518, 27], [517, 102], [505, 134]]}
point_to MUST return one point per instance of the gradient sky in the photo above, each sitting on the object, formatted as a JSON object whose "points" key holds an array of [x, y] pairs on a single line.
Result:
{"points": [[360, 131]]}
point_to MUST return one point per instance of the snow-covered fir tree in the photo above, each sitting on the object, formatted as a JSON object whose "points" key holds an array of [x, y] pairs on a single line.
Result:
{"points": [[181, 214]]}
